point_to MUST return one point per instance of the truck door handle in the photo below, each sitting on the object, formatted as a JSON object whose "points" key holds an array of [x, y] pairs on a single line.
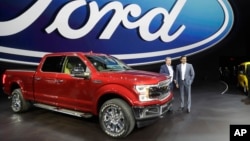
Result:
{"points": [[37, 78], [60, 81]]}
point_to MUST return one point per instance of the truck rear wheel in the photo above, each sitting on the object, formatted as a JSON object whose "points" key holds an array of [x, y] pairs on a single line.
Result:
{"points": [[18, 103], [116, 118]]}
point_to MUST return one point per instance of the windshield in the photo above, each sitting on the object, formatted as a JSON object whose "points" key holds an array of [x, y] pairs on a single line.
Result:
{"points": [[107, 63]]}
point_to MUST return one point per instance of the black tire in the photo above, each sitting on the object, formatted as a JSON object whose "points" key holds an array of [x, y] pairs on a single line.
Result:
{"points": [[116, 118], [18, 103]]}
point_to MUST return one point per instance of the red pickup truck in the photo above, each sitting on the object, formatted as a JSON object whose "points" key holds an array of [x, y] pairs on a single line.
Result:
{"points": [[91, 84]]}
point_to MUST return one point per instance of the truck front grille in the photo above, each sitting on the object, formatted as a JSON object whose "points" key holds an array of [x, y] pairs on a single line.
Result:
{"points": [[160, 91]]}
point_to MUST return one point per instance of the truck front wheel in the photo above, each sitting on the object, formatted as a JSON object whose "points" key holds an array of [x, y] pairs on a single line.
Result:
{"points": [[18, 103], [116, 118]]}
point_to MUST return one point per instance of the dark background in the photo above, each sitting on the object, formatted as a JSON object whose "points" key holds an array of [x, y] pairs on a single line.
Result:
{"points": [[230, 52]]}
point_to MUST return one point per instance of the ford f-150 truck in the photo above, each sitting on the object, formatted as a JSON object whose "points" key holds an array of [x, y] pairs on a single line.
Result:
{"points": [[91, 84]]}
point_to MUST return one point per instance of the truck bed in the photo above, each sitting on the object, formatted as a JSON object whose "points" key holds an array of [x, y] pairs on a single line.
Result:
{"points": [[16, 75]]}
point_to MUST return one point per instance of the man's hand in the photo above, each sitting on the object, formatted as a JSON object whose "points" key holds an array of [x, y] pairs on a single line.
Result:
{"points": [[177, 86]]}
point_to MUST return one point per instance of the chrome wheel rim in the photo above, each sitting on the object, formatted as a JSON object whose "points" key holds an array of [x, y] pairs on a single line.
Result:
{"points": [[113, 119], [16, 102]]}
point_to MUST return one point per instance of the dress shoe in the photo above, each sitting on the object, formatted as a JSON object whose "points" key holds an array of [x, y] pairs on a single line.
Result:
{"points": [[188, 110]]}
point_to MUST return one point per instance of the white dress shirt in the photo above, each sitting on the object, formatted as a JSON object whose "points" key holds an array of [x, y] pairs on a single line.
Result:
{"points": [[171, 72], [183, 70]]}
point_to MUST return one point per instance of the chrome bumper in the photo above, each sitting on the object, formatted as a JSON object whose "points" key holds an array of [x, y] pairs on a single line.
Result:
{"points": [[149, 112]]}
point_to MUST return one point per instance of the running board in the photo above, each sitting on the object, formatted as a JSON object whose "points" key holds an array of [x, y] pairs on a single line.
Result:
{"points": [[65, 111]]}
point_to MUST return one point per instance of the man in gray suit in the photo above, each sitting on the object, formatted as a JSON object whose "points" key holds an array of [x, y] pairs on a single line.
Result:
{"points": [[184, 78]]}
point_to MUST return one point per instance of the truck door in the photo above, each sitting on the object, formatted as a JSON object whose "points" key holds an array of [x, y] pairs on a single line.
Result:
{"points": [[46, 84], [74, 92]]}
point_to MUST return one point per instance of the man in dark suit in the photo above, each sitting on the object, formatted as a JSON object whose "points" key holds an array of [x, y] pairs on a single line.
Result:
{"points": [[184, 78], [168, 70]]}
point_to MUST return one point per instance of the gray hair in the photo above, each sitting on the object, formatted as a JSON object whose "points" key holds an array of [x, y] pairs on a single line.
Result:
{"points": [[168, 58]]}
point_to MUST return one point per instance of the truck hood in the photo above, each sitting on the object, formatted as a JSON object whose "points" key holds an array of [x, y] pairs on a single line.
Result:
{"points": [[137, 76]]}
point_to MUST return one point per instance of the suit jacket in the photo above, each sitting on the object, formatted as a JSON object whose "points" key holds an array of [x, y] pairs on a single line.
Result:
{"points": [[189, 74], [164, 70]]}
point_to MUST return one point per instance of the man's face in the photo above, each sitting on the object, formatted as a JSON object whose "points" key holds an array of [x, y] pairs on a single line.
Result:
{"points": [[168, 61], [183, 60]]}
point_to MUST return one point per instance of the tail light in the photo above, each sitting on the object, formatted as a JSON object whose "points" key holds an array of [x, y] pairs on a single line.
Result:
{"points": [[3, 78]]}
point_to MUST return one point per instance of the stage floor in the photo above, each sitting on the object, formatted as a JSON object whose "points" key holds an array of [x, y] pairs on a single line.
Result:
{"points": [[214, 109]]}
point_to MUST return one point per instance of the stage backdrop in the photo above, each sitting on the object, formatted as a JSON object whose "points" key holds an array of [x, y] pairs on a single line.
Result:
{"points": [[139, 32]]}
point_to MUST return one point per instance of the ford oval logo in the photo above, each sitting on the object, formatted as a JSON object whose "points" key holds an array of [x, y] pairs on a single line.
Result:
{"points": [[136, 31]]}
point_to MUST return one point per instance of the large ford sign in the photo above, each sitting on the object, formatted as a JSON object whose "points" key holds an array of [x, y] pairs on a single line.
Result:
{"points": [[137, 31]]}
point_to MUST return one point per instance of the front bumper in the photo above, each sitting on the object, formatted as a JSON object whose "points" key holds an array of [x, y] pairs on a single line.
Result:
{"points": [[148, 114]]}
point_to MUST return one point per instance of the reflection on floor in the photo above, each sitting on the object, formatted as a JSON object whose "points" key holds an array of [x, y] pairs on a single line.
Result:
{"points": [[211, 115]]}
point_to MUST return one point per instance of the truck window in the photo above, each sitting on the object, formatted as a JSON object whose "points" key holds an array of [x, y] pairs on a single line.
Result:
{"points": [[248, 70], [72, 62], [53, 64], [107, 63]]}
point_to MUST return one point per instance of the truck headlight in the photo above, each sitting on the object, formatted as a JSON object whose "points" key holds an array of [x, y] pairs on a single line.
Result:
{"points": [[143, 91]]}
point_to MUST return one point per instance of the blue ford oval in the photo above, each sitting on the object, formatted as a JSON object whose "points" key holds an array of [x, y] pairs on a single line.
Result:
{"points": [[136, 31]]}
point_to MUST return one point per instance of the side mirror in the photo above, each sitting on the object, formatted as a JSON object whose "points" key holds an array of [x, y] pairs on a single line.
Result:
{"points": [[80, 72]]}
